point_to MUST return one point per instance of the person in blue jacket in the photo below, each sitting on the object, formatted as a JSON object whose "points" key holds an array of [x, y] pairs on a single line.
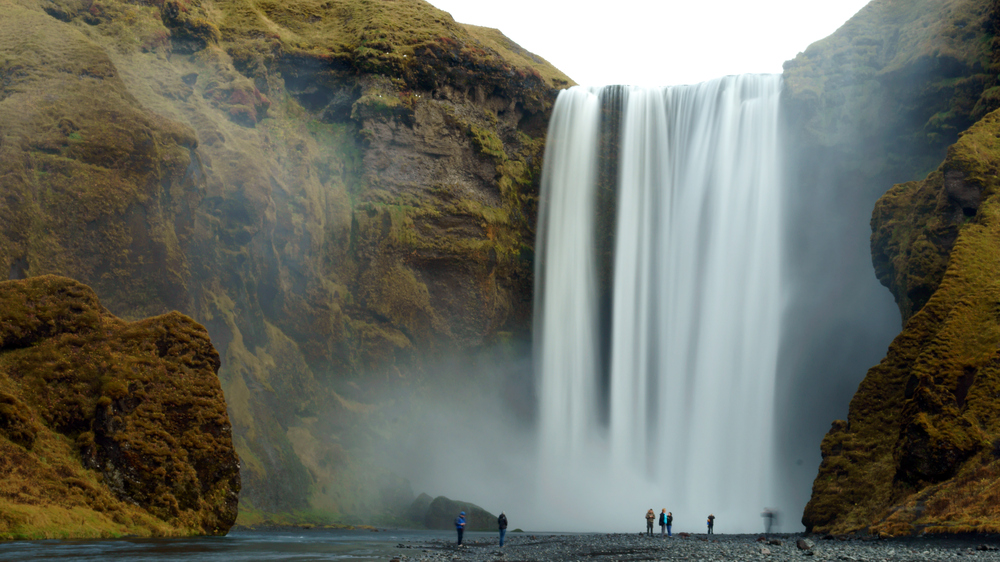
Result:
{"points": [[460, 526]]}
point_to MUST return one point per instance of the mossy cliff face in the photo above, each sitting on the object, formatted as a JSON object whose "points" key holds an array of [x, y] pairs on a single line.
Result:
{"points": [[875, 104], [341, 192], [919, 450], [107, 427]]}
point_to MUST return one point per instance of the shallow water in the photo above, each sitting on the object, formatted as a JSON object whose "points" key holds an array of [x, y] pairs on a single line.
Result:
{"points": [[299, 545]]}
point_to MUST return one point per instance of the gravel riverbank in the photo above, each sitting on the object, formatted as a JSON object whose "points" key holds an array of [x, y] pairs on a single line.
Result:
{"points": [[623, 548]]}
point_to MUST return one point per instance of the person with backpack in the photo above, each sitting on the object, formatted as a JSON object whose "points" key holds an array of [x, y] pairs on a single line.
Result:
{"points": [[650, 516], [460, 526], [502, 522], [670, 521], [663, 522], [711, 524]]}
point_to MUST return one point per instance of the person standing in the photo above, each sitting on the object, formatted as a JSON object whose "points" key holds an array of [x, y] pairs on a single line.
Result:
{"points": [[650, 516], [663, 522], [769, 516], [460, 526], [502, 522], [711, 524], [670, 522]]}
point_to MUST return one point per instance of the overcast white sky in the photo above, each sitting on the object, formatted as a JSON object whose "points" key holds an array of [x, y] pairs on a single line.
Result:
{"points": [[665, 42]]}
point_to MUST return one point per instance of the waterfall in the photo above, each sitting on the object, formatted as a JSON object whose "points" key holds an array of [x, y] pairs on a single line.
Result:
{"points": [[658, 306]]}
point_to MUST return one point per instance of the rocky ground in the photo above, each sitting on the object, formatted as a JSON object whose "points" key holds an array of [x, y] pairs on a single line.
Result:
{"points": [[620, 547]]}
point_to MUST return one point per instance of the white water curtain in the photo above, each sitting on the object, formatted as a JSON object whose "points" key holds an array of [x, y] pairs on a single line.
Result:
{"points": [[696, 304]]}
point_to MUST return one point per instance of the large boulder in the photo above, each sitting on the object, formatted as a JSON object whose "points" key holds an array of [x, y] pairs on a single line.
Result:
{"points": [[108, 427], [441, 512]]}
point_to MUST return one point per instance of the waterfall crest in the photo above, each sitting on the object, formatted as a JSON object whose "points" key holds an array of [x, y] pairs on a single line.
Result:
{"points": [[663, 394]]}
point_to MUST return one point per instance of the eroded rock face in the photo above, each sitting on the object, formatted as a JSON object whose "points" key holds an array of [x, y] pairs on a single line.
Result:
{"points": [[917, 452], [123, 421], [876, 104], [340, 193]]}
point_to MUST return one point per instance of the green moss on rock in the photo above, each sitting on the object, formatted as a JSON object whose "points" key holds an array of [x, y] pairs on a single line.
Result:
{"points": [[120, 425], [923, 422], [302, 178]]}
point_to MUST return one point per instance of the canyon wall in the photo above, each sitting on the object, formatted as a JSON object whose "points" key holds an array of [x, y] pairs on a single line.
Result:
{"points": [[896, 90], [341, 193]]}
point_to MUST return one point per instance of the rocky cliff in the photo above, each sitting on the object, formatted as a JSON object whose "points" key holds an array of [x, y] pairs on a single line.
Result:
{"points": [[339, 191], [108, 427], [916, 452]]}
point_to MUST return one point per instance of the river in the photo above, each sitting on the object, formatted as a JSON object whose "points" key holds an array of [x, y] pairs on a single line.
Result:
{"points": [[301, 545]]}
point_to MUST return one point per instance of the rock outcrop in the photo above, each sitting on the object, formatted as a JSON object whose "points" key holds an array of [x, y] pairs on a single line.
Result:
{"points": [[919, 451], [440, 513], [108, 427], [875, 104], [916, 453], [339, 192]]}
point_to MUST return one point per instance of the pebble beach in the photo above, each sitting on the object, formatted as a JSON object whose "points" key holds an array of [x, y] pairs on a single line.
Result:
{"points": [[634, 547]]}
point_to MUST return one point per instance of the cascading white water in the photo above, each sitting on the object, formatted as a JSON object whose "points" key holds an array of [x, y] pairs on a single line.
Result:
{"points": [[680, 415]]}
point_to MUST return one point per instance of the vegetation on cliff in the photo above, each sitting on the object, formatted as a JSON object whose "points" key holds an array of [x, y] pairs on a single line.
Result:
{"points": [[338, 191], [108, 428], [919, 450], [875, 104]]}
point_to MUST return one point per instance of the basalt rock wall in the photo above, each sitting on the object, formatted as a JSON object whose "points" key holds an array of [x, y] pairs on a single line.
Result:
{"points": [[340, 192]]}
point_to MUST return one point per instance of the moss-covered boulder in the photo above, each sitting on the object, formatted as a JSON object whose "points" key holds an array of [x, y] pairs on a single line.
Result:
{"points": [[108, 427], [919, 449], [441, 512]]}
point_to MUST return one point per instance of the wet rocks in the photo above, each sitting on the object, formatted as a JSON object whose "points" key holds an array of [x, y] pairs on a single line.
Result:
{"points": [[616, 547]]}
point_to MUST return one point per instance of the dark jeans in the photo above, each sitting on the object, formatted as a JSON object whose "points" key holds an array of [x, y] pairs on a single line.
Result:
{"points": [[460, 531], [502, 533], [668, 531], [649, 528], [710, 529]]}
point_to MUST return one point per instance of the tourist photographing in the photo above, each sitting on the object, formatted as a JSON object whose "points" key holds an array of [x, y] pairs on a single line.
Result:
{"points": [[670, 522], [711, 524], [650, 516]]}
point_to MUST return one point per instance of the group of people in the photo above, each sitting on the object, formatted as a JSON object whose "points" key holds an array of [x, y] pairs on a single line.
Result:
{"points": [[460, 526], [667, 521]]}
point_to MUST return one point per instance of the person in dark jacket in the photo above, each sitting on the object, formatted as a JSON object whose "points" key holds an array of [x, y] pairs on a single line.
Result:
{"points": [[460, 526], [670, 522], [502, 522], [650, 516], [711, 524], [663, 522]]}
